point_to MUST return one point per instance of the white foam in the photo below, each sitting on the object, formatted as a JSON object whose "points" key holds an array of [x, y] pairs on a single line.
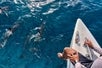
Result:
{"points": [[33, 3], [72, 3], [51, 10], [18, 2], [15, 1], [27, 15]]}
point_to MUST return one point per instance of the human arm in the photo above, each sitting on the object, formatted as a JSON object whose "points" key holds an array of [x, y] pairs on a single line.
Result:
{"points": [[97, 49]]}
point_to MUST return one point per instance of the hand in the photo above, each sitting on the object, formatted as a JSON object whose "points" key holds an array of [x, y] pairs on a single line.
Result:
{"points": [[88, 43], [74, 58]]}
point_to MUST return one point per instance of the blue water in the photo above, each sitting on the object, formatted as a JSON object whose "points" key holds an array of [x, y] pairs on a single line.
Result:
{"points": [[60, 17]]}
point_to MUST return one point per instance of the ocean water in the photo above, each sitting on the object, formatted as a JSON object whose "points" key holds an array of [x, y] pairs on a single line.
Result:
{"points": [[21, 50]]}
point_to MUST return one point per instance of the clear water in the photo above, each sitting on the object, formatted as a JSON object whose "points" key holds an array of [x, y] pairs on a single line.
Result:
{"points": [[60, 17]]}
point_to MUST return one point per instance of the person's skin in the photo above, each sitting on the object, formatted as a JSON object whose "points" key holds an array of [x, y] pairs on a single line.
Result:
{"points": [[69, 53], [88, 43]]}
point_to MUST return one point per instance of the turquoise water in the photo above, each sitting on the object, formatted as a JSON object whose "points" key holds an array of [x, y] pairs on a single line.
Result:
{"points": [[60, 17]]}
